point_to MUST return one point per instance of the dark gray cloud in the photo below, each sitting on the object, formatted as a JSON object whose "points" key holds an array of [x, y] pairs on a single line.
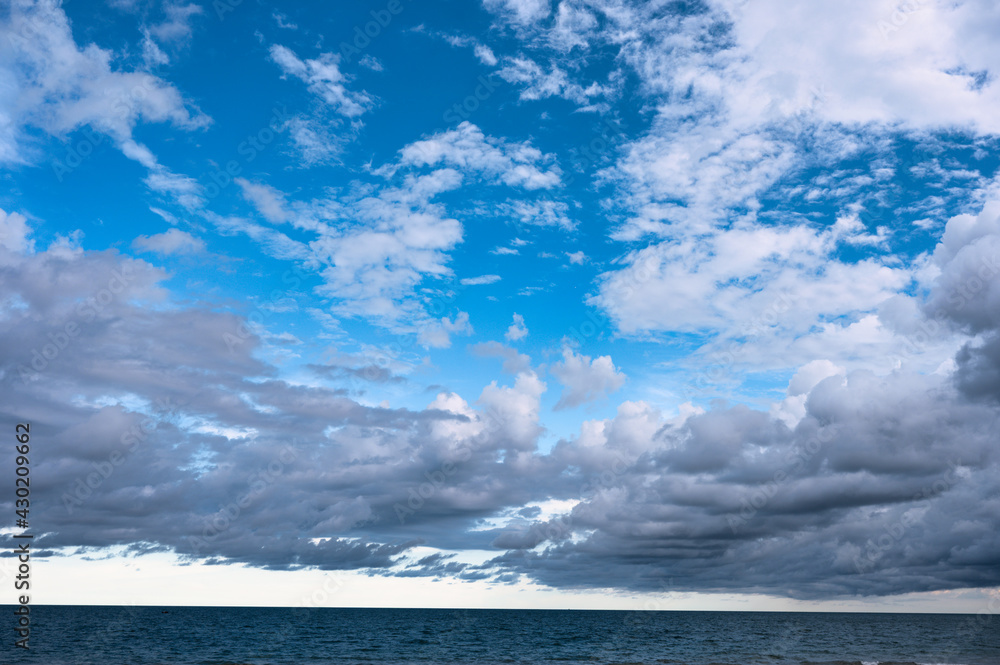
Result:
{"points": [[978, 369], [860, 498], [159, 428], [888, 484]]}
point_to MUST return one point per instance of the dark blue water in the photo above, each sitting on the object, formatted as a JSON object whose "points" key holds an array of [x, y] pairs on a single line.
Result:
{"points": [[216, 636]]}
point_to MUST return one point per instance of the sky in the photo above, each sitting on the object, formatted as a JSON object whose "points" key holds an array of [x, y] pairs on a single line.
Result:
{"points": [[504, 303]]}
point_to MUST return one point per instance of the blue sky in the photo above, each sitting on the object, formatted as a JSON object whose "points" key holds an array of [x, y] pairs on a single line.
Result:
{"points": [[603, 268]]}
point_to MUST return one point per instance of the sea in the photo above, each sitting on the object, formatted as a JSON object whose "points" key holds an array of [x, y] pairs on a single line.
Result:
{"points": [[258, 636]]}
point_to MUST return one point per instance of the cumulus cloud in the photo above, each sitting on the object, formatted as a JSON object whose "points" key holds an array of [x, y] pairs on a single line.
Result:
{"points": [[585, 380], [865, 479], [854, 481], [517, 410], [966, 295], [856, 495], [152, 389], [15, 233], [737, 279], [517, 330], [966, 290]]}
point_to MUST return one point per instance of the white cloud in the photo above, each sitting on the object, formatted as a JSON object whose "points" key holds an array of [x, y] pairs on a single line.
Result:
{"points": [[540, 213], [921, 74], [371, 62], [573, 28], [537, 83], [379, 247], [793, 408], [325, 80], [273, 242], [522, 12], [314, 141], [585, 380], [173, 241], [268, 201], [50, 82], [485, 55], [437, 334], [14, 234], [965, 265], [164, 215], [185, 190], [504, 251], [777, 292], [810, 374], [482, 52], [177, 26], [687, 181], [735, 98], [626, 436], [482, 279], [576, 257], [517, 330], [281, 20], [850, 229], [516, 410], [152, 54], [466, 147]]}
